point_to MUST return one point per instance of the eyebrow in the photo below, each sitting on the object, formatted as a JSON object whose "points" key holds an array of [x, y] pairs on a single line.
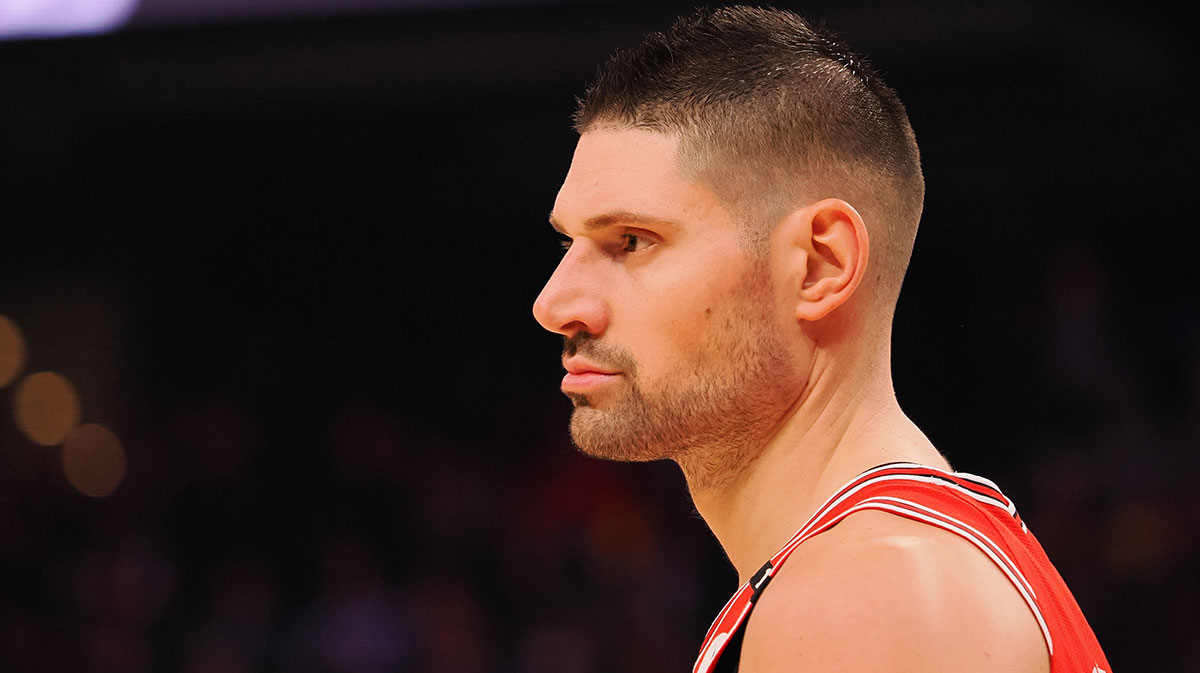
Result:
{"points": [[618, 217]]}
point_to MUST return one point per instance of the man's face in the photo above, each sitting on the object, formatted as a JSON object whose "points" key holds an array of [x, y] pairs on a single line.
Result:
{"points": [[673, 337]]}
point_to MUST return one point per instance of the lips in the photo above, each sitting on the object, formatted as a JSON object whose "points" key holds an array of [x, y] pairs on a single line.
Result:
{"points": [[577, 365], [583, 375]]}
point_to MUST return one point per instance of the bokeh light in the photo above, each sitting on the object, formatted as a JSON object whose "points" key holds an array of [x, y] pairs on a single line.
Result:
{"points": [[94, 460], [51, 18], [12, 351], [46, 407]]}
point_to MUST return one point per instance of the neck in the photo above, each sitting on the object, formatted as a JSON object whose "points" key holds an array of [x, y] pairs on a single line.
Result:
{"points": [[843, 424]]}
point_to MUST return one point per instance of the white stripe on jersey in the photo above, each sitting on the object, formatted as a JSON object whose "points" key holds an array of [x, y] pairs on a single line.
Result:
{"points": [[839, 499], [949, 523]]}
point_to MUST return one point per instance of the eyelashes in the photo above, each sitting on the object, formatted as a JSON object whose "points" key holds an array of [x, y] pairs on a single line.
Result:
{"points": [[631, 242], [627, 243]]}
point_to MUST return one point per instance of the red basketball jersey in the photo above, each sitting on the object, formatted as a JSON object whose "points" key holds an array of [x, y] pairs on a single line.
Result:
{"points": [[968, 506]]}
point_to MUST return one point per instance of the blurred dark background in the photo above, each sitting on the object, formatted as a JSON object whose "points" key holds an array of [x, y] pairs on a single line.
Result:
{"points": [[286, 255]]}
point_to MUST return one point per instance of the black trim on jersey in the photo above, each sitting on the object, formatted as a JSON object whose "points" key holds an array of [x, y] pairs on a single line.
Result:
{"points": [[760, 580], [982, 490], [731, 655]]}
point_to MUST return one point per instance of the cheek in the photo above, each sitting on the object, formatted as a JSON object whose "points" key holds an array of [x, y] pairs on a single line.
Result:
{"points": [[710, 335], [687, 317], [689, 306], [670, 343]]}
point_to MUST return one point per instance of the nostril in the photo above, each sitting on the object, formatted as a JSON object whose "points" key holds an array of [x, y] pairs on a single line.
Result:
{"points": [[575, 333]]}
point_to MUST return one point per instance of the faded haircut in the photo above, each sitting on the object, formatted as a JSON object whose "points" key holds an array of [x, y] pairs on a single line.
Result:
{"points": [[773, 113]]}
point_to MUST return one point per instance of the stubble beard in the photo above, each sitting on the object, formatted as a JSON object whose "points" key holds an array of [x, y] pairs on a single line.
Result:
{"points": [[715, 415]]}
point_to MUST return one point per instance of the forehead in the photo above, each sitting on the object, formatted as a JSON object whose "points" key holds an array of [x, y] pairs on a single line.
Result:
{"points": [[631, 171]]}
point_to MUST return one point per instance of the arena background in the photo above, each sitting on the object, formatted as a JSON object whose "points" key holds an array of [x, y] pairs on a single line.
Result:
{"points": [[288, 262]]}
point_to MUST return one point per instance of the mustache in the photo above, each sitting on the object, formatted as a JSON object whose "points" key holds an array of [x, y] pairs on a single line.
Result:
{"points": [[603, 354]]}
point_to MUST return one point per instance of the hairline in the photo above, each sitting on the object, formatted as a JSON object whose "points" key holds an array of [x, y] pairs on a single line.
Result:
{"points": [[757, 211]]}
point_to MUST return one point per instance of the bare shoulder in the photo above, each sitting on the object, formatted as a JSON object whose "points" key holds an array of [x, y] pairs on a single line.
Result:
{"points": [[883, 593]]}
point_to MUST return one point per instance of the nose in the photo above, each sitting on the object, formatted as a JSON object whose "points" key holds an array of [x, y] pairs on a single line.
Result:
{"points": [[572, 301]]}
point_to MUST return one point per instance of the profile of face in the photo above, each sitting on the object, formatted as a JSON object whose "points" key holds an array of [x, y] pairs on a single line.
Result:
{"points": [[673, 336]]}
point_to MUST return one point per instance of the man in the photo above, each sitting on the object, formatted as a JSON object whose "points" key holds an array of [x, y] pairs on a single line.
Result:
{"points": [[738, 215]]}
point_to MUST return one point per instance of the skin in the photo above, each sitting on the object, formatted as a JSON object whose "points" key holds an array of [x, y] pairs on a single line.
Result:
{"points": [[767, 379], [678, 313]]}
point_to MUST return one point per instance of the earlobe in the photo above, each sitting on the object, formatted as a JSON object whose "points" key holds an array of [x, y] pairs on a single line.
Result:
{"points": [[837, 246]]}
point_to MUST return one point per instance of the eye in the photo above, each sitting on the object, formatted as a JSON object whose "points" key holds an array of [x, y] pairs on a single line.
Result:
{"points": [[632, 242]]}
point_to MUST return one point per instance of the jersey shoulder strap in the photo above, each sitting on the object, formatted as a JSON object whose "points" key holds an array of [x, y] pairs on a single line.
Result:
{"points": [[722, 643], [969, 506]]}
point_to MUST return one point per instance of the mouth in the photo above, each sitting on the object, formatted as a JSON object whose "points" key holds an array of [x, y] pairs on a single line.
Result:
{"points": [[583, 376], [586, 381]]}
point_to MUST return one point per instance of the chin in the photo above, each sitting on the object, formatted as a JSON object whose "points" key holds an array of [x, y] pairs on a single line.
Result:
{"points": [[597, 434]]}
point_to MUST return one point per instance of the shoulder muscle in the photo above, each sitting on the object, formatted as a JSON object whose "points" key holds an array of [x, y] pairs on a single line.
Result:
{"points": [[882, 593]]}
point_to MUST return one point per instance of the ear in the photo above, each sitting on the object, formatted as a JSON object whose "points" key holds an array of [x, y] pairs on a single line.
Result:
{"points": [[835, 245]]}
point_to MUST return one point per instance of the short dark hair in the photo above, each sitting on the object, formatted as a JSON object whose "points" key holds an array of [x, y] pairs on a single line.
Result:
{"points": [[773, 112]]}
